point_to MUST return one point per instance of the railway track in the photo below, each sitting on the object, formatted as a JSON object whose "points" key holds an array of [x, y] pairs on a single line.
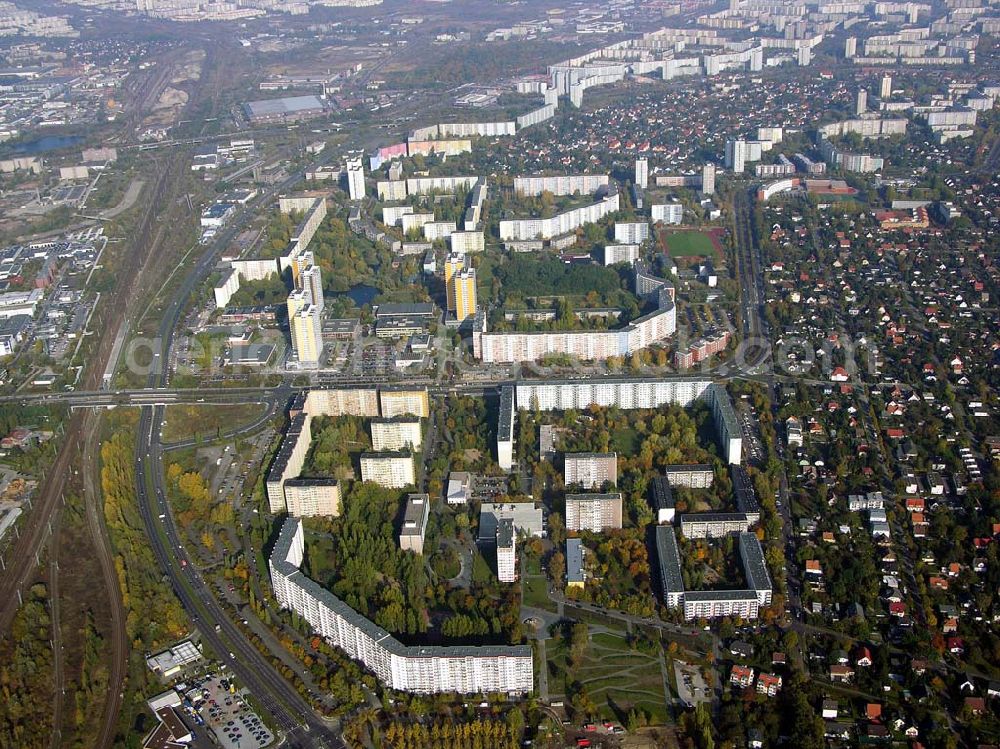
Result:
{"points": [[93, 510]]}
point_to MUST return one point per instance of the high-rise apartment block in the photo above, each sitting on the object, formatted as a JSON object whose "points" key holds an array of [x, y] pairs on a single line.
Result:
{"points": [[356, 177], [642, 173], [414, 528], [708, 179], [861, 104], [392, 435], [631, 232], [850, 47], [305, 311], [885, 87], [591, 470], [668, 213], [593, 512], [736, 155], [390, 469], [506, 551], [505, 429], [401, 401], [307, 497], [462, 294]]}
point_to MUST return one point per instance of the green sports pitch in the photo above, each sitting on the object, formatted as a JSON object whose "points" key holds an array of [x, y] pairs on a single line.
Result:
{"points": [[689, 243]]}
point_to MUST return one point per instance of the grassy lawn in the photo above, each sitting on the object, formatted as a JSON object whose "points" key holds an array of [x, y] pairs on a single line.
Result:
{"points": [[625, 441], [688, 243], [185, 421], [616, 678], [536, 593]]}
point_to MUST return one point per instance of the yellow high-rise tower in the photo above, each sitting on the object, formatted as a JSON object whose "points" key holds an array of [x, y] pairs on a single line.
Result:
{"points": [[463, 290], [453, 265]]}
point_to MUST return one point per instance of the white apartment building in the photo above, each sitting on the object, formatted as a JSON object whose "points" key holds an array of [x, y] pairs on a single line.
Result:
{"points": [[505, 429], [593, 512], [631, 232], [423, 185], [393, 470], [668, 213], [391, 190], [310, 497], [506, 551], [393, 435], [404, 401], [563, 223], [621, 253], [714, 524], [424, 670], [566, 184], [587, 345], [591, 470], [642, 173], [715, 604], [356, 177]]}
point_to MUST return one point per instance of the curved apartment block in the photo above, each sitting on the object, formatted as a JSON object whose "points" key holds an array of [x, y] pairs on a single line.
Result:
{"points": [[406, 668]]}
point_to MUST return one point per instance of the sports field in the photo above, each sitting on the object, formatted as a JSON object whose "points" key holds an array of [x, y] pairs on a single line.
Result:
{"points": [[690, 243]]}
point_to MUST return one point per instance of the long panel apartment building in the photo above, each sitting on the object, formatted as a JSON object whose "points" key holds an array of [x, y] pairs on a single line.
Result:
{"points": [[714, 524], [713, 604], [566, 184], [561, 223], [424, 670], [564, 395]]}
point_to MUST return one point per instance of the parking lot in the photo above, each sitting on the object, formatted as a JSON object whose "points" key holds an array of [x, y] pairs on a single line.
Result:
{"points": [[226, 713]]}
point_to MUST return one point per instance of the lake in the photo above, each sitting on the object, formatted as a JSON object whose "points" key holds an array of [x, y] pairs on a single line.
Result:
{"points": [[46, 143], [362, 294]]}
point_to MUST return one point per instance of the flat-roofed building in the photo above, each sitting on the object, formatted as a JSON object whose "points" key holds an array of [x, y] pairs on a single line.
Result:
{"points": [[669, 559], [170, 662], [662, 499], [402, 401], [309, 497], [390, 469], [418, 669], [693, 476], [414, 528], [398, 433], [715, 604], [506, 541], [459, 487], [591, 470], [714, 524], [527, 517], [574, 563], [593, 512], [754, 567], [505, 429]]}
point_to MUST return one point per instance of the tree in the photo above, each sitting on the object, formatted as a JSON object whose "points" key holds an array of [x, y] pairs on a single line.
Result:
{"points": [[557, 567]]}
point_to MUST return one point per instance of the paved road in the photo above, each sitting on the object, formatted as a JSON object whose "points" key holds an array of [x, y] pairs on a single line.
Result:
{"points": [[289, 712]]}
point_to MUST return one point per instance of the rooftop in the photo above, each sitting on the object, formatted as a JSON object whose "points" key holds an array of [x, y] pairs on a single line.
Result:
{"points": [[416, 514]]}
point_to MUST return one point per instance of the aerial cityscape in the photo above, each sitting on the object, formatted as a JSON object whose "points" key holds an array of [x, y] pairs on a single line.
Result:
{"points": [[452, 373]]}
